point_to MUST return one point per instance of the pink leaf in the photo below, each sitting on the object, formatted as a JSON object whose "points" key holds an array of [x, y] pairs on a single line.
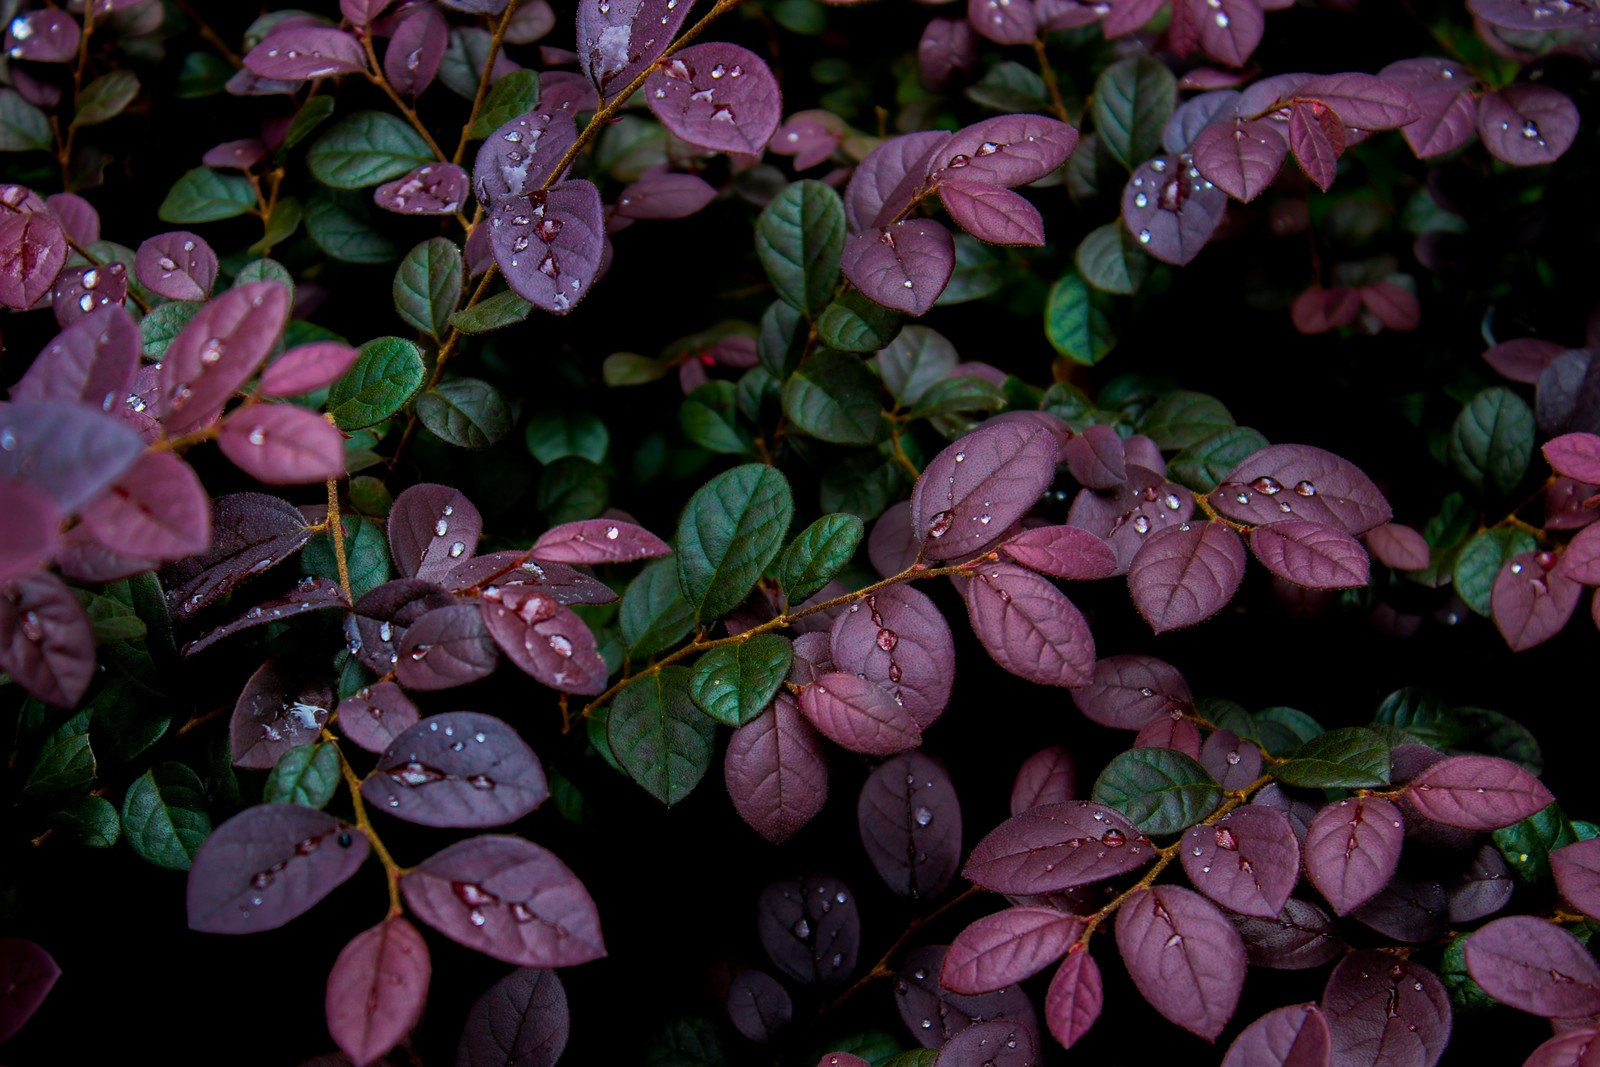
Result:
{"points": [[30, 528], [1576, 455], [1477, 793], [411, 60], [1130, 692], [374, 716], [1523, 359], [280, 708], [1318, 310], [217, 351], [461, 768], [992, 214], [1535, 966], [1007, 947], [158, 510], [595, 541], [1230, 30], [431, 189], [1577, 872], [309, 594], [1248, 862], [27, 974], [522, 1019], [444, 648], [1310, 555], [43, 36], [1305, 482], [426, 524], [1186, 959], [1186, 574], [1062, 552], [33, 249], [306, 368], [974, 490], [1352, 849], [92, 361], [1074, 999], [1170, 211], [1295, 1035], [618, 40], [377, 989], [1531, 600], [899, 640], [303, 53], [1444, 94], [1008, 150], [1392, 304], [1029, 627], [1527, 124], [550, 246], [280, 444], [46, 643], [1362, 100], [1317, 140], [1056, 846], [665, 196], [1046, 777], [544, 639], [887, 181], [859, 715], [1012, 22], [1381, 1009]]}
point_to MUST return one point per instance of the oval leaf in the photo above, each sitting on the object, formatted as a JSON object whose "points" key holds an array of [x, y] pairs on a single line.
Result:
{"points": [[910, 823], [461, 768], [1186, 959], [377, 989], [1054, 846], [1352, 849]]}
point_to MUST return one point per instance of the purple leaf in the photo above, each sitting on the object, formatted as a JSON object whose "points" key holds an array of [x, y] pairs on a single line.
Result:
{"points": [[1352, 849], [979, 486], [1564, 510], [362, 12], [717, 96], [305, 52], [903, 265], [521, 1020], [810, 136], [1407, 910], [279, 709], [893, 544], [1186, 574], [566, 585], [1126, 16], [1392, 304], [595, 541], [858, 714], [991, 213], [1382, 1010], [842, 1059], [1444, 94], [1241, 157], [1483, 888], [30, 528], [1046, 777], [1524, 358], [1534, 966], [1301, 936], [1576, 455], [46, 643], [998, 1041], [1230, 29], [947, 48], [33, 249], [462, 768], [1029, 627], [308, 595], [776, 772], [1007, 947], [44, 36], [267, 865], [1577, 871], [306, 368], [432, 528], [663, 195], [377, 989], [888, 180], [1234, 764], [92, 361], [1174, 732], [235, 155], [1317, 140], [1186, 959], [81, 290], [1130, 692], [910, 823], [1010, 22], [550, 246], [217, 351], [758, 1005], [810, 928], [1074, 999], [1363, 101], [1311, 555], [1194, 115], [280, 444], [1295, 1035], [159, 510], [949, 1014], [1248, 862], [431, 189], [507, 898], [1062, 552], [376, 715], [1477, 793], [1567, 1049], [1398, 547], [250, 534], [619, 39], [1303, 481], [178, 265], [445, 648], [27, 974], [1097, 457], [411, 61], [518, 158], [544, 639], [900, 641], [1054, 846], [1526, 125], [381, 616], [1171, 210], [70, 451], [1008, 150], [1537, 16]]}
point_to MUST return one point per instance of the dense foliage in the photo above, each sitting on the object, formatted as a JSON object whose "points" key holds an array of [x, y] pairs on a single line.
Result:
{"points": [[696, 530]]}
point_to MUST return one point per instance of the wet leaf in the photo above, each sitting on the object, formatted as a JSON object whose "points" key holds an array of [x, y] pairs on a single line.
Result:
{"points": [[46, 644], [810, 928], [178, 266], [903, 265], [1186, 574], [1007, 150], [758, 1005], [446, 647], [1055, 846], [858, 714], [461, 768], [898, 640], [1186, 959], [1477, 793], [1248, 862], [1352, 849], [432, 528], [164, 816], [1171, 210], [1029, 627], [716, 96], [550, 245], [1007, 947], [280, 444], [301, 53], [975, 489], [1383, 1010], [950, 1014], [1129, 692], [910, 823], [375, 716], [619, 41], [1306, 482], [251, 534], [521, 1020], [1526, 124], [377, 989]]}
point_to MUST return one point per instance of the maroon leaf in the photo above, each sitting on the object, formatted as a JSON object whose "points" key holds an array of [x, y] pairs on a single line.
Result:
{"points": [[1577, 871], [758, 1005], [1171, 731], [1054, 846], [1392, 304], [1352, 849], [665, 196], [432, 528], [595, 541], [717, 96], [267, 865], [250, 534], [1248, 862], [380, 619], [377, 989], [522, 1020], [1362, 101], [1399, 547], [1301, 936], [810, 928], [1408, 910], [893, 544], [376, 715], [1526, 124], [859, 715], [217, 351], [811, 136], [1010, 22], [462, 768], [92, 361], [507, 898], [544, 639], [1230, 29], [279, 709], [550, 246], [1564, 510], [431, 189], [1186, 959], [1317, 139], [934, 1015], [1130, 692], [1523, 359], [947, 48], [991, 213], [445, 648], [1097, 457], [903, 265], [30, 528], [305, 52], [511, 569], [1318, 310], [1310, 555], [46, 643], [1576, 455], [1074, 999], [1384, 1010], [1171, 209], [1535, 966], [1029, 627], [33, 249], [235, 155], [842, 1059], [1305, 482], [1007, 947], [910, 823], [1062, 552], [898, 639], [306, 368], [411, 61], [1477, 793], [619, 39], [1483, 888], [1126, 16], [1537, 16], [1531, 600], [44, 36], [69, 451], [1046, 777], [158, 510], [979, 486], [178, 265], [1295, 1035], [1233, 763], [1241, 157], [775, 770], [1186, 574], [27, 974], [281, 444], [1008, 150], [887, 181], [81, 290], [1444, 95], [998, 1041], [1568, 1049]]}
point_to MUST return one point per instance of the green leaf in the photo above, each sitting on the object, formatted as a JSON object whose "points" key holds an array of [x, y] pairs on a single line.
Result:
{"points": [[1479, 562], [799, 237], [287, 214], [1465, 994], [959, 394], [428, 284], [1493, 733], [1424, 715], [1010, 87], [364, 149], [654, 615], [781, 339], [877, 1047], [164, 816], [366, 550], [465, 412], [979, 273], [709, 417], [731, 530], [1527, 845], [557, 432], [341, 224], [834, 397], [105, 97], [496, 313], [1077, 320], [921, 1057], [1282, 730], [630, 368], [313, 113], [205, 195], [23, 127], [307, 775], [820, 552], [1160, 790], [572, 488], [853, 323], [267, 270], [1133, 99], [687, 1042], [1350, 758], [165, 321], [863, 484], [202, 74], [514, 94], [1110, 259], [734, 683], [125, 719], [387, 372], [1202, 465], [1181, 419], [90, 821], [65, 760], [1492, 441], [659, 736]]}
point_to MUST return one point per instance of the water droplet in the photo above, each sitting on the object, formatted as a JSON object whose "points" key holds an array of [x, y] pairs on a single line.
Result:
{"points": [[257, 436], [1141, 524], [1233, 759], [441, 528], [1267, 485], [802, 929], [1140, 200], [1144, 237], [385, 632], [1530, 130], [1158, 165], [1226, 840], [940, 525], [1113, 838], [1516, 568], [560, 645], [1222, 20]]}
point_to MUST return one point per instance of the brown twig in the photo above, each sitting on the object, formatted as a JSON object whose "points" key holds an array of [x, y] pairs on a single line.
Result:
{"points": [[391, 870], [495, 43]]}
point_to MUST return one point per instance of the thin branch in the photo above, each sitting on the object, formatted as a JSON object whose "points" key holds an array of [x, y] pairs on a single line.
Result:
{"points": [[391, 870], [483, 81], [376, 76], [210, 36], [336, 531], [1047, 72]]}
